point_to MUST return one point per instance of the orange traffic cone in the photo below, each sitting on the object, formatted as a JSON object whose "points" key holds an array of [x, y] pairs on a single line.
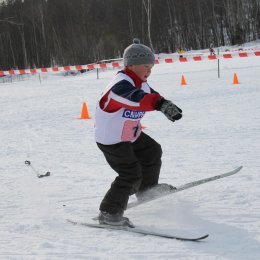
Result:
{"points": [[183, 81], [235, 79], [84, 113]]}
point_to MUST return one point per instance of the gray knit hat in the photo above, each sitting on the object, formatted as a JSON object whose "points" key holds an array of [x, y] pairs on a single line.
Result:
{"points": [[136, 54]]}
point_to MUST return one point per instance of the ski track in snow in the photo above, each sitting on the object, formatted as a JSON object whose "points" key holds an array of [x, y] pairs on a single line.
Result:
{"points": [[218, 132]]}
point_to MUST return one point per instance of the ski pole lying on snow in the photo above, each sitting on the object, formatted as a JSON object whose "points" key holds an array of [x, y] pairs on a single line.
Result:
{"points": [[38, 175]]}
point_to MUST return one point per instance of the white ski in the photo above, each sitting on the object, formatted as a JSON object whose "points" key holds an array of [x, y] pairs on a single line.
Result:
{"points": [[136, 230], [186, 186]]}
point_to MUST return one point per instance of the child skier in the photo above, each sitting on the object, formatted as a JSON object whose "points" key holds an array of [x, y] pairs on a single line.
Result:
{"points": [[134, 155]]}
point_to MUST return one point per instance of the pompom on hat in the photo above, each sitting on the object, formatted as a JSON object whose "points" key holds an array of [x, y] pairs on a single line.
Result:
{"points": [[137, 54]]}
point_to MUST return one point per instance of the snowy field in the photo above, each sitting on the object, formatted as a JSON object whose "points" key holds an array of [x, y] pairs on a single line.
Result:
{"points": [[219, 131]]}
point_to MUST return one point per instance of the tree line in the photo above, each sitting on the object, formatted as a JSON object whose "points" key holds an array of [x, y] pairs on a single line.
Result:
{"points": [[44, 33]]}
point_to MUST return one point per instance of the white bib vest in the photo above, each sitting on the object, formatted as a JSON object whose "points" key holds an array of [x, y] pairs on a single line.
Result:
{"points": [[123, 125]]}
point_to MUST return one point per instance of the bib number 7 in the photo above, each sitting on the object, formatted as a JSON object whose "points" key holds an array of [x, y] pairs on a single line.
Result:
{"points": [[131, 130]]}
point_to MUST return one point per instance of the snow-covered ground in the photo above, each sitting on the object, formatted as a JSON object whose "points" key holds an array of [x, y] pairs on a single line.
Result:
{"points": [[220, 130]]}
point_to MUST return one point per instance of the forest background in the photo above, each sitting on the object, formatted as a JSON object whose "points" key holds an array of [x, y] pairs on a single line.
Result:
{"points": [[45, 33]]}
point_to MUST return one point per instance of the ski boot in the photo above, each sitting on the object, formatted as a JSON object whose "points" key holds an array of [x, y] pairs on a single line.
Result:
{"points": [[114, 219], [154, 192]]}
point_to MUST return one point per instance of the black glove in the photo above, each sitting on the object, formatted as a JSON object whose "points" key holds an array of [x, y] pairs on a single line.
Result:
{"points": [[171, 111]]}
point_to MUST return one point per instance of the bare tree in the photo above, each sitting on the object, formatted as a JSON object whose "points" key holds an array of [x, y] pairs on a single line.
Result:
{"points": [[148, 9], [36, 33]]}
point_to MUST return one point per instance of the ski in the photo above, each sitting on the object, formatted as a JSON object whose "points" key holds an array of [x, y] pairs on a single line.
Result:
{"points": [[136, 230], [186, 186]]}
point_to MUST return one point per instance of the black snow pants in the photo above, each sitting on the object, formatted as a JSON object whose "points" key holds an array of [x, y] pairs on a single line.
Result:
{"points": [[138, 167]]}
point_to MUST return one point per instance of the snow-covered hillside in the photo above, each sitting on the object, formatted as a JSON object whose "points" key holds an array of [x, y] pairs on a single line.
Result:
{"points": [[220, 130]]}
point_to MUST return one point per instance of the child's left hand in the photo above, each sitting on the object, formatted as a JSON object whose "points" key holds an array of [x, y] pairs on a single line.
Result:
{"points": [[171, 111]]}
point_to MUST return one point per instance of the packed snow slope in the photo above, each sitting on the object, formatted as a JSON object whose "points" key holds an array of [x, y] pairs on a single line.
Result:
{"points": [[219, 131]]}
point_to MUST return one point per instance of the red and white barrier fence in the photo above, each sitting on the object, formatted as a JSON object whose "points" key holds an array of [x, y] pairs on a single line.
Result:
{"points": [[186, 57]]}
